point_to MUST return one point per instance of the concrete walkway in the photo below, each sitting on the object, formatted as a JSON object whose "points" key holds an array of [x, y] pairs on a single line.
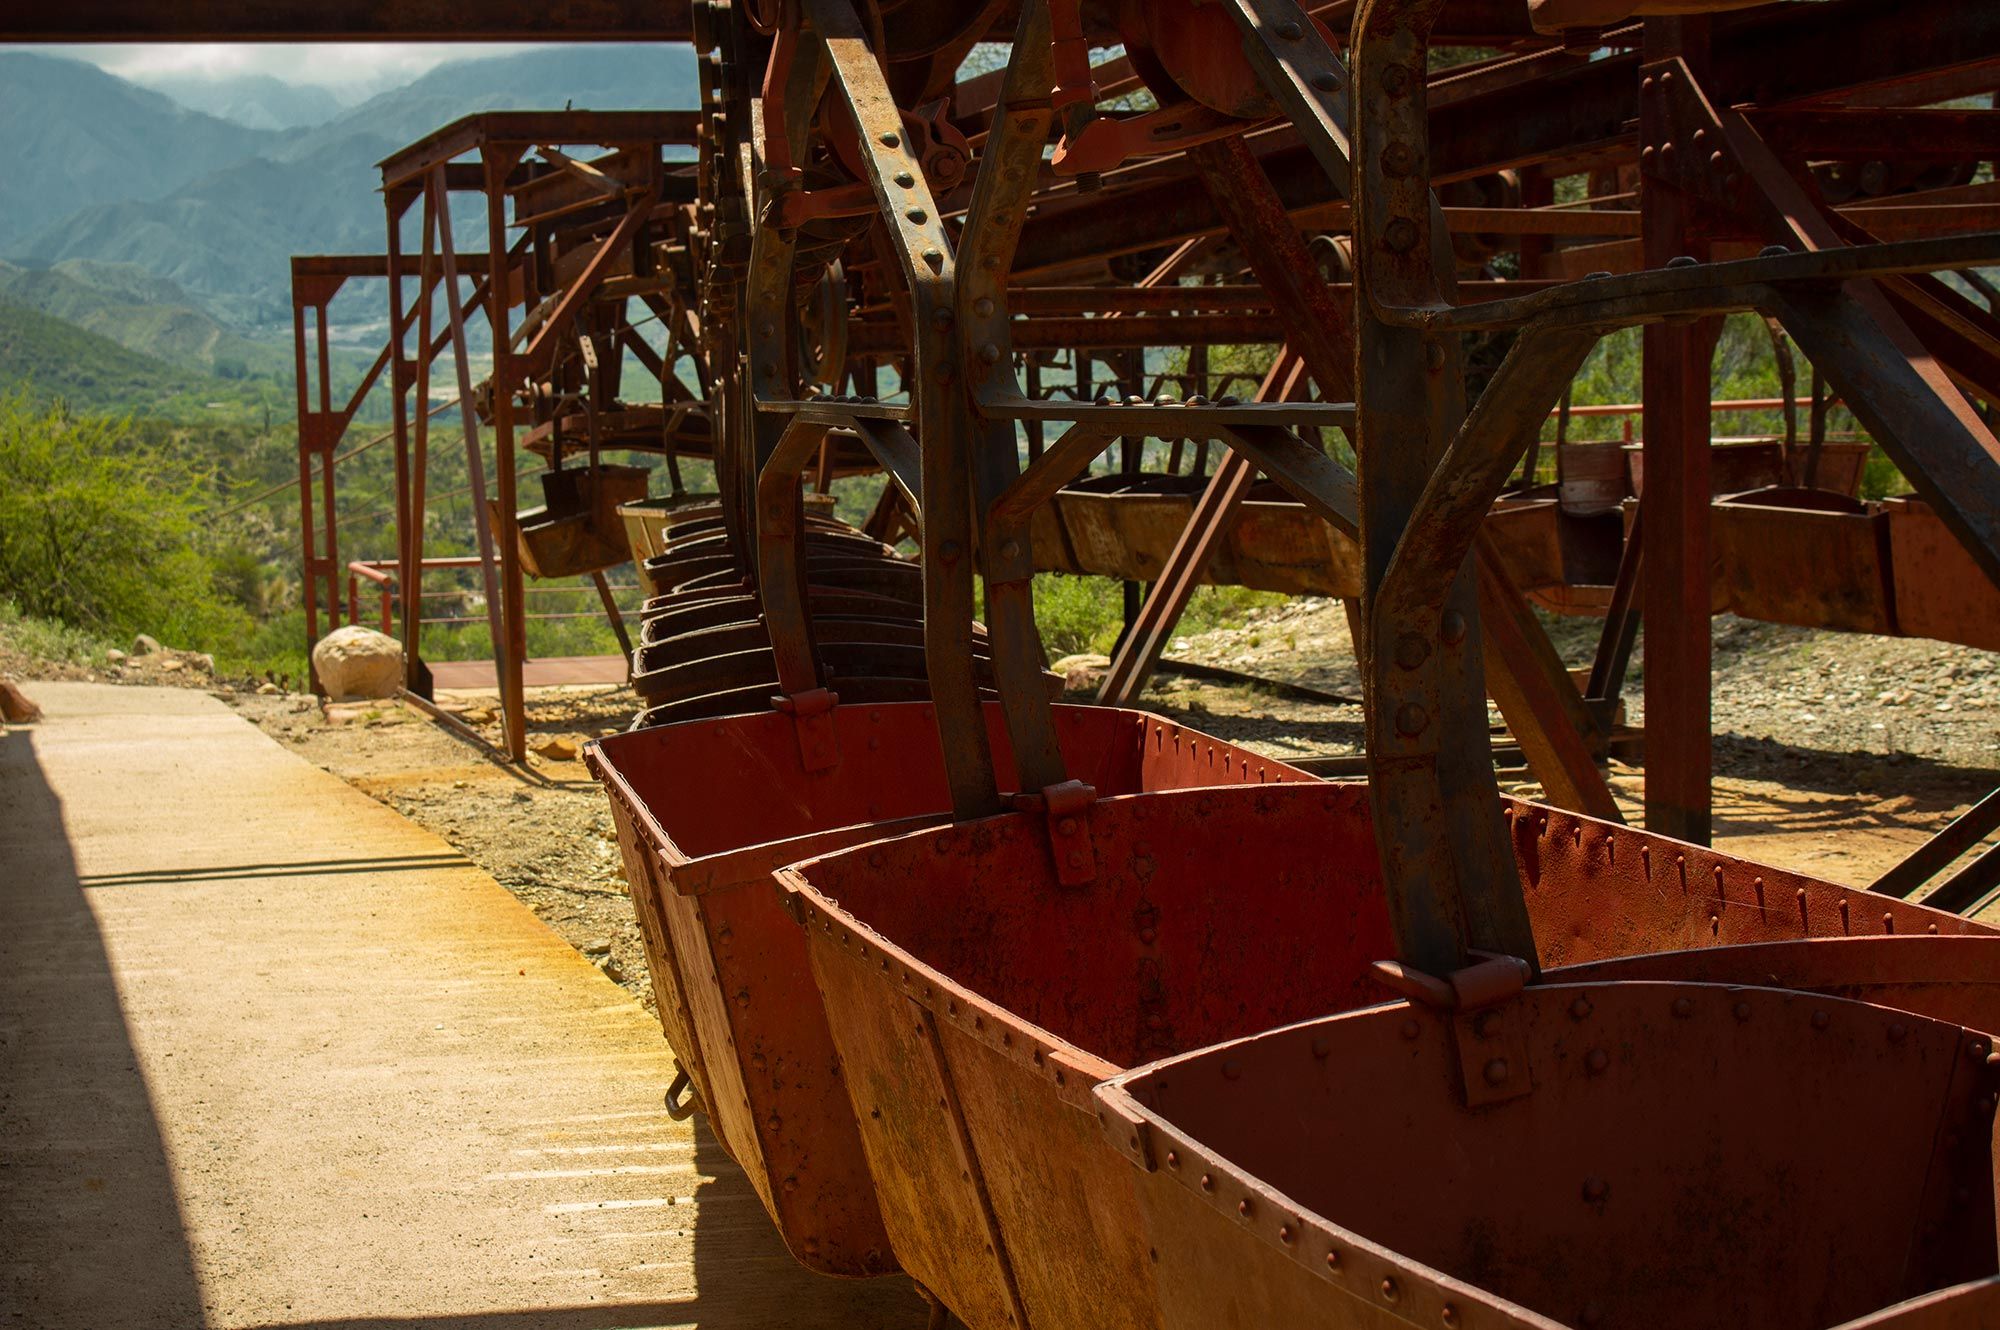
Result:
{"points": [[270, 1055]]}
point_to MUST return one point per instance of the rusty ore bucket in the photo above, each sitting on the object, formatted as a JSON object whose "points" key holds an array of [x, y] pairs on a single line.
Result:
{"points": [[706, 811], [1667, 1155], [976, 1001]]}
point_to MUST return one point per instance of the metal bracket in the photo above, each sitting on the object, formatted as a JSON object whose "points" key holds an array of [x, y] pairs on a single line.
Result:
{"points": [[812, 722], [1108, 142], [1068, 808], [1491, 1042]]}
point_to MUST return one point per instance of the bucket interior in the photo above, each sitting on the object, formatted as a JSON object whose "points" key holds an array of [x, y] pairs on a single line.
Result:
{"points": [[1215, 913], [716, 786], [1688, 1155]]}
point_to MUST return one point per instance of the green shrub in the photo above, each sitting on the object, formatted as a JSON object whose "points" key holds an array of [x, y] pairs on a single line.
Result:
{"points": [[106, 533]]}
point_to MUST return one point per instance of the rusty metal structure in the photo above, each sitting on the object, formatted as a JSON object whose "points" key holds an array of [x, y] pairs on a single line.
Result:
{"points": [[1080, 1017]]}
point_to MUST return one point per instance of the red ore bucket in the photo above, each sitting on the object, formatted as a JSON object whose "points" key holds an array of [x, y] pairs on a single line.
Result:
{"points": [[1663, 1155], [976, 1000], [706, 811]]}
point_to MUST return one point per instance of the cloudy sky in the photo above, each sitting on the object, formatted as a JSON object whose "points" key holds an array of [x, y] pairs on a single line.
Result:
{"points": [[350, 70]]}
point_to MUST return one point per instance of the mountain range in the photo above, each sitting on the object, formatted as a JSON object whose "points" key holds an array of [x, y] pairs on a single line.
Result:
{"points": [[106, 172]]}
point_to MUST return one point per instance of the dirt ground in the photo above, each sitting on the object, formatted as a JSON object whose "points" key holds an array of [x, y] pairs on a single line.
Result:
{"points": [[1835, 754]]}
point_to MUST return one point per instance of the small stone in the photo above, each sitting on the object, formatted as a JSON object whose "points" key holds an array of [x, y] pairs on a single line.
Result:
{"points": [[204, 662], [612, 970], [556, 748], [268, 690], [115, 657], [145, 645], [16, 707], [172, 666], [597, 946], [1081, 671]]}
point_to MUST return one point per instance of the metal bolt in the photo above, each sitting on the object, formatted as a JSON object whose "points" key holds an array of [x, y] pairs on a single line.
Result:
{"points": [[983, 307], [941, 318], [1595, 276], [1683, 1008], [1683, 261], [1411, 1029], [1820, 1020], [1173, 1159], [948, 551], [1598, 1060], [1700, 137], [1434, 356], [1232, 1070], [1076, 858], [1012, 550], [1411, 718], [1396, 80], [1648, 155], [1286, 1235], [1244, 1208], [1389, 1290], [905, 179], [1325, 81], [1898, 1032], [918, 215], [791, 1184], [1333, 1260], [1976, 1050], [1646, 83], [1321, 1048], [1580, 1008], [1400, 235], [1595, 1189], [1412, 651], [1207, 1182], [1290, 31], [1742, 1011], [1716, 159], [1067, 826], [989, 352], [1496, 1071], [891, 139], [1452, 628], [1399, 158], [1773, 252], [935, 258]]}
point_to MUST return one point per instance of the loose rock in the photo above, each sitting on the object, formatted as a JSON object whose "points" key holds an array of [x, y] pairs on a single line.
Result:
{"points": [[556, 748], [357, 662], [145, 645]]}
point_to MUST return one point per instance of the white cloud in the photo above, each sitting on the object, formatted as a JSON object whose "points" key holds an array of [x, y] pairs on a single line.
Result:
{"points": [[350, 70]]}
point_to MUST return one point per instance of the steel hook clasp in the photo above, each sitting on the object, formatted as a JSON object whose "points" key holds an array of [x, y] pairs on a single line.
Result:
{"points": [[1067, 806], [812, 720], [1491, 1043]]}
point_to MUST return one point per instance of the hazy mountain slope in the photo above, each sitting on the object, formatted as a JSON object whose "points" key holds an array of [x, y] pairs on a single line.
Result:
{"points": [[256, 100], [228, 236], [142, 313], [77, 136]]}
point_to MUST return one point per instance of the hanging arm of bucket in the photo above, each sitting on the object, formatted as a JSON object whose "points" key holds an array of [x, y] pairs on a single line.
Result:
{"points": [[1413, 622], [1010, 602], [945, 428], [1009, 167], [1432, 788], [1302, 471], [781, 577], [895, 451]]}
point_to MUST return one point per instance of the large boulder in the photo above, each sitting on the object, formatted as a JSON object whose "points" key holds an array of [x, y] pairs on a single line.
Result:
{"points": [[355, 663]]}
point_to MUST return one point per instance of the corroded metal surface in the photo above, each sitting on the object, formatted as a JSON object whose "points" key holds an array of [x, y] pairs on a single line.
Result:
{"points": [[728, 965]]}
